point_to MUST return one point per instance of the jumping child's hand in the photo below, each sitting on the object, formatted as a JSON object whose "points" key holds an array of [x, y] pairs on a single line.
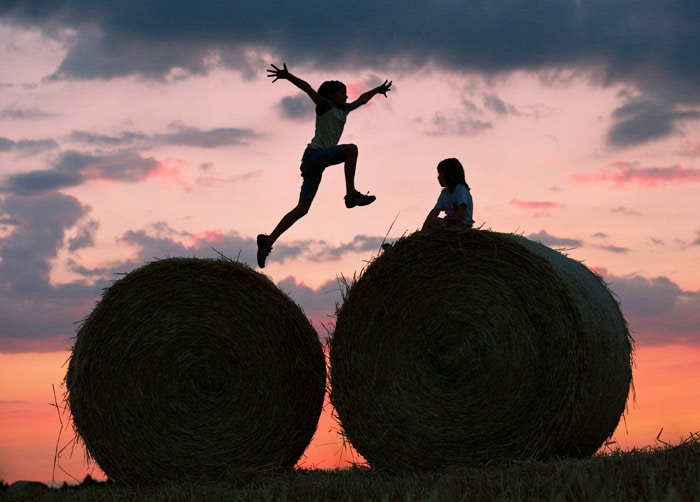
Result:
{"points": [[384, 88], [279, 73]]}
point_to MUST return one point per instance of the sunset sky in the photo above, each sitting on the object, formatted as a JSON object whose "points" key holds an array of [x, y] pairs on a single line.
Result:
{"points": [[137, 130]]}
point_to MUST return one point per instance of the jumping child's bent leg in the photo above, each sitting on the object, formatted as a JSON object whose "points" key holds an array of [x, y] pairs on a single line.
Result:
{"points": [[352, 196]]}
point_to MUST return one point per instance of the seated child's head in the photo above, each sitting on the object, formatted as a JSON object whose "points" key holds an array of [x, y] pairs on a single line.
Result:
{"points": [[452, 172]]}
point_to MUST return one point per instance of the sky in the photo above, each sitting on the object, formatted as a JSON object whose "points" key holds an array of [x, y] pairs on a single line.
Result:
{"points": [[131, 131]]}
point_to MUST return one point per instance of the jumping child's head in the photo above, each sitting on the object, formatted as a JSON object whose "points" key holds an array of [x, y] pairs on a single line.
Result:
{"points": [[330, 89], [452, 173]]}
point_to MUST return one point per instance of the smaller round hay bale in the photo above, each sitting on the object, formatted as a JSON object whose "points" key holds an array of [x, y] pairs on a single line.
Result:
{"points": [[195, 368], [460, 347]]}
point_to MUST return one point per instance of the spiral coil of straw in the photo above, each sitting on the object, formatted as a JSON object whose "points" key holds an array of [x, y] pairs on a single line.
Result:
{"points": [[195, 368], [453, 348]]}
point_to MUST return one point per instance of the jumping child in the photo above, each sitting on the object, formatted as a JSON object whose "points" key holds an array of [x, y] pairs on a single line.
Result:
{"points": [[332, 109], [455, 199]]}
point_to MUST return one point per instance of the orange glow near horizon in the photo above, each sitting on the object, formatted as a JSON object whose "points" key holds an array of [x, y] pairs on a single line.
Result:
{"points": [[32, 428]]}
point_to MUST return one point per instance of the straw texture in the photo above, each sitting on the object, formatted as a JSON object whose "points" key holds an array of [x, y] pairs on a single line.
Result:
{"points": [[195, 368], [460, 347]]}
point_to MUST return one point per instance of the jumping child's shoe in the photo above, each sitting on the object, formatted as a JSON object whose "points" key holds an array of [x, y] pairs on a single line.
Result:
{"points": [[263, 250], [358, 199]]}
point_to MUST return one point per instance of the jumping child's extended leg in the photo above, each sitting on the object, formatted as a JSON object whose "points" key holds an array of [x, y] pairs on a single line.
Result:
{"points": [[265, 242]]}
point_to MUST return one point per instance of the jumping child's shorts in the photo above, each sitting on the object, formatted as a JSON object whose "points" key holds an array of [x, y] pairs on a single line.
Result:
{"points": [[313, 163]]}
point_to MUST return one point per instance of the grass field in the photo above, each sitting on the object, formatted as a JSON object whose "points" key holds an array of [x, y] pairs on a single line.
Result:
{"points": [[670, 473]]}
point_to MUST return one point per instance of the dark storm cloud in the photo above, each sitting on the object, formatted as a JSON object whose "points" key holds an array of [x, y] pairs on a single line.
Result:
{"points": [[152, 38], [648, 45]]}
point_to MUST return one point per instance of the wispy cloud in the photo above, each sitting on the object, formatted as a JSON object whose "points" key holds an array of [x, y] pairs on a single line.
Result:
{"points": [[605, 245], [177, 134], [613, 249], [554, 242], [180, 134], [536, 205], [458, 123], [16, 113], [498, 106], [120, 140], [625, 173], [625, 210], [696, 241], [27, 147]]}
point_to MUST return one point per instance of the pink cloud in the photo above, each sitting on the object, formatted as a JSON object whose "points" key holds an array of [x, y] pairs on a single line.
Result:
{"points": [[536, 205], [623, 173], [209, 236], [171, 170]]}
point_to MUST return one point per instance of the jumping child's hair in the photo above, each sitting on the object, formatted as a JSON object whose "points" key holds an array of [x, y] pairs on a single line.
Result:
{"points": [[454, 173], [330, 87]]}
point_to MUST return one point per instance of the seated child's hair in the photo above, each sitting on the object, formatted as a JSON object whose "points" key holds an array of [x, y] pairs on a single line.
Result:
{"points": [[454, 173], [330, 87]]}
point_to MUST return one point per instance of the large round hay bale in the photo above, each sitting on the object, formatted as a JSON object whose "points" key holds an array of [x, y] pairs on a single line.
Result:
{"points": [[460, 347], [195, 368]]}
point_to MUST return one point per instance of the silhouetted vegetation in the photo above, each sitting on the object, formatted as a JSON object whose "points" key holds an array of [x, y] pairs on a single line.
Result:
{"points": [[668, 473]]}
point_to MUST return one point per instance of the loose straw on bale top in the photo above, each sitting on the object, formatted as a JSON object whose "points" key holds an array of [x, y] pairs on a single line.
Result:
{"points": [[192, 368], [459, 347]]}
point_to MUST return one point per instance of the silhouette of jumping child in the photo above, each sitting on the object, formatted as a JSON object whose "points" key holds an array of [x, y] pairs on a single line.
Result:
{"points": [[455, 200], [332, 110]]}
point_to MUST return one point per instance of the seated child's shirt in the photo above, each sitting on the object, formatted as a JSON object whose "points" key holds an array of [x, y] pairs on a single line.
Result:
{"points": [[450, 202]]}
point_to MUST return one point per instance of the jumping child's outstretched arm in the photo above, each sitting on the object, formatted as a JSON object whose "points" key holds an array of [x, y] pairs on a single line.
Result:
{"points": [[284, 74], [366, 96]]}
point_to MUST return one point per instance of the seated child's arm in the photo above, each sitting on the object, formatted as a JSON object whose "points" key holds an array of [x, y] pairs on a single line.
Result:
{"points": [[430, 220], [461, 213]]}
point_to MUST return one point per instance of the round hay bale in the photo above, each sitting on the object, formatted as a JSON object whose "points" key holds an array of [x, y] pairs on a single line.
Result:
{"points": [[460, 347], [195, 368]]}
